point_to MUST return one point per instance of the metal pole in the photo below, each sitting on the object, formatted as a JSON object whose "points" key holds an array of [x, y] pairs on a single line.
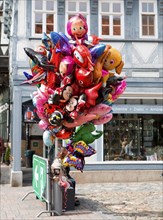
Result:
{"points": [[56, 147], [49, 187], [57, 192], [27, 136]]}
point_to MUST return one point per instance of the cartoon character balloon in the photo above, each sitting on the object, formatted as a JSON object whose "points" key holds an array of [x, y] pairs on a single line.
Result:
{"points": [[78, 80]]}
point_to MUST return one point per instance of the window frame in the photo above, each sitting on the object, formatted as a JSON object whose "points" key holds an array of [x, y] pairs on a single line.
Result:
{"points": [[111, 14], [148, 13], [44, 13], [87, 13]]}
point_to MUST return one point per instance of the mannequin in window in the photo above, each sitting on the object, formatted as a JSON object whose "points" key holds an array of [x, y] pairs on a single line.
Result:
{"points": [[123, 142], [128, 150]]}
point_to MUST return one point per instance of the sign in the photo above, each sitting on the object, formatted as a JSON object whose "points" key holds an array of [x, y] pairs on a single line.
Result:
{"points": [[138, 109], [40, 177], [4, 107]]}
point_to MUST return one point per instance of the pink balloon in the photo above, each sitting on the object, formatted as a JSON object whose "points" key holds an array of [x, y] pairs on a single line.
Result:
{"points": [[100, 109], [103, 119], [43, 124], [80, 120], [119, 90]]}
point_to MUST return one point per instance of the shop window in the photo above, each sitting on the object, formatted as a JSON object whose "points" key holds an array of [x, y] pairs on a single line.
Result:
{"points": [[144, 135], [75, 7], [148, 18], [44, 16], [111, 18], [119, 130], [152, 137]]}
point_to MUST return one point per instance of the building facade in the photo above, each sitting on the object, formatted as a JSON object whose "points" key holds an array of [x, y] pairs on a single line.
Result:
{"points": [[4, 92], [135, 29]]}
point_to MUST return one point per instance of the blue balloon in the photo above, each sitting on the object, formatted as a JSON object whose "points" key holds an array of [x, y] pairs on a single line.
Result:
{"points": [[96, 51], [48, 138]]}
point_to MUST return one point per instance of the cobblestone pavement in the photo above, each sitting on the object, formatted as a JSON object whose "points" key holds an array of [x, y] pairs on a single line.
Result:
{"points": [[132, 201], [100, 201]]}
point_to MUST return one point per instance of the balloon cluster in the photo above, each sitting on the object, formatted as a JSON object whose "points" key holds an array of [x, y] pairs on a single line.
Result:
{"points": [[73, 79]]}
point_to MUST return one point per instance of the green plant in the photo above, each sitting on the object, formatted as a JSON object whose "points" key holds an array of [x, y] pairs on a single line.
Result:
{"points": [[7, 155]]}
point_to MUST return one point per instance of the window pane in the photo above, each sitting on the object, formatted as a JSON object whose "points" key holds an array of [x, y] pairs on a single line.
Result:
{"points": [[105, 20], [151, 30], [144, 30], [105, 30], [49, 28], [38, 4], [49, 5], [105, 7], [116, 20], [151, 19], [38, 28], [72, 6], [70, 16], [82, 6], [49, 18], [38, 17], [116, 30], [116, 7], [150, 7], [144, 7], [144, 19]]}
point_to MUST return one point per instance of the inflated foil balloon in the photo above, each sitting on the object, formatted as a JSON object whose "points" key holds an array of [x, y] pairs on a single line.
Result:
{"points": [[76, 87], [62, 40], [66, 66], [74, 161], [85, 133], [97, 51], [48, 138], [43, 124], [77, 27], [81, 148], [82, 57]]}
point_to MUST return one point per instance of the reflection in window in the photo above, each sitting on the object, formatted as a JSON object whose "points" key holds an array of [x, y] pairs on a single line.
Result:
{"points": [[111, 16], [148, 25], [116, 7], [116, 25], [49, 5], [82, 6], [38, 23], [105, 25], [49, 22], [38, 4], [72, 6], [44, 16], [148, 18]]}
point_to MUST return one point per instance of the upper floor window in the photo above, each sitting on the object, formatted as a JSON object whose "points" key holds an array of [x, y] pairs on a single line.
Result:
{"points": [[111, 19], [148, 18], [75, 7], [44, 16]]}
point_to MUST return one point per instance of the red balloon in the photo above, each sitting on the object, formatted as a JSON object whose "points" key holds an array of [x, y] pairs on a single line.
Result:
{"points": [[64, 134], [84, 77]]}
